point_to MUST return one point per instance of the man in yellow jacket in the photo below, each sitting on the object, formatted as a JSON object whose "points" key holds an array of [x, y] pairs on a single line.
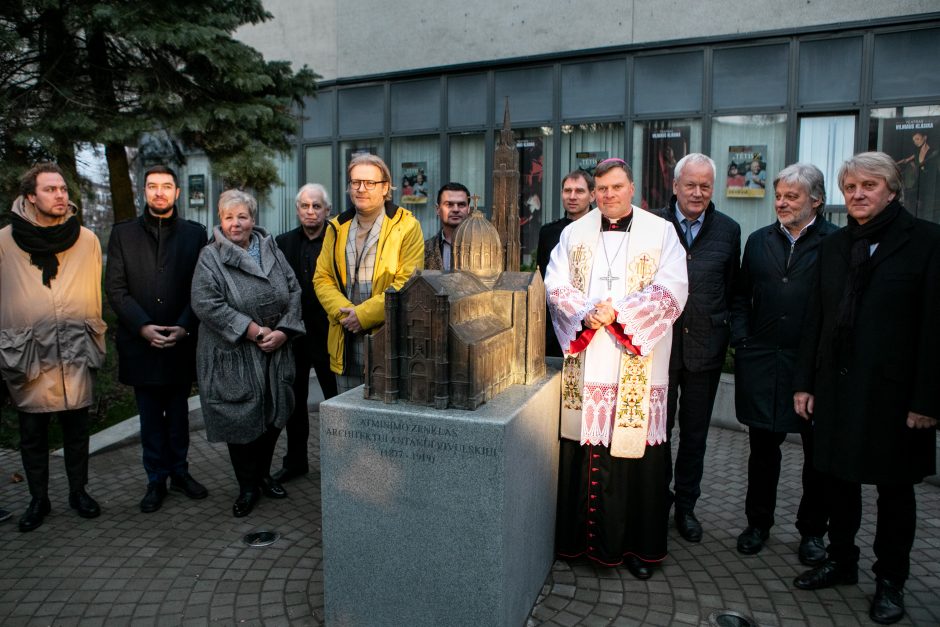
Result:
{"points": [[366, 250]]}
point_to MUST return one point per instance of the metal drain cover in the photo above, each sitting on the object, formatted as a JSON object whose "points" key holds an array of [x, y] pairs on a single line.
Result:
{"points": [[261, 538], [730, 618]]}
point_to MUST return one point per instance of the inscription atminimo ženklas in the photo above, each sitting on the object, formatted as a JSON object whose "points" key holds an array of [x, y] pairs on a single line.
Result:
{"points": [[400, 439]]}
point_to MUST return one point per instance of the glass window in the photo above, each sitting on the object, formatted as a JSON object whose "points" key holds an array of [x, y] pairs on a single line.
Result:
{"points": [[348, 150], [905, 65], [754, 76], [912, 136], [416, 173], [318, 115], [756, 145], [536, 186], [655, 79], [583, 146], [276, 211], [529, 92], [830, 71], [416, 105], [657, 147], [468, 164], [593, 89], [362, 110], [466, 100], [826, 142], [318, 168]]}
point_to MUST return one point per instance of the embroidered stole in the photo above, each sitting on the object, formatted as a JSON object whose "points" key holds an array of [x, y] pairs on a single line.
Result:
{"points": [[590, 387]]}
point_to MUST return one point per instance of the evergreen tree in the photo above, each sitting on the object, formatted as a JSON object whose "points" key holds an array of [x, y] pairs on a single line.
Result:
{"points": [[106, 72]]}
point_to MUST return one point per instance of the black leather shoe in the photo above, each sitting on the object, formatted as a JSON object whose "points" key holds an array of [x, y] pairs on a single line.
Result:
{"points": [[812, 551], [688, 525], [273, 489], [752, 539], [156, 492], [187, 485], [286, 474], [826, 575], [888, 605], [84, 504], [245, 503], [35, 513], [637, 567]]}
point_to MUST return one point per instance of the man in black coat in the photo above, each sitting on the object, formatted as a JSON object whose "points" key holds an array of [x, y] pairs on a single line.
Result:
{"points": [[151, 260], [453, 207], [301, 247], [700, 335], [867, 376], [577, 194], [777, 274]]}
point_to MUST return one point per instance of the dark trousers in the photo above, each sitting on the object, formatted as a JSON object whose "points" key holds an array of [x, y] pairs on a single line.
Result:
{"points": [[164, 429], [693, 393], [252, 461], [763, 475], [34, 448], [894, 529], [298, 425]]}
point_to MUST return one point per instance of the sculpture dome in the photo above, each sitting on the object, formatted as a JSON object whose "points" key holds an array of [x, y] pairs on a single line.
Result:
{"points": [[477, 248]]}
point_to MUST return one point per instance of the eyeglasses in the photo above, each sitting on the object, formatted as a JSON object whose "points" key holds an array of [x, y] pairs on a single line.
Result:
{"points": [[370, 185]]}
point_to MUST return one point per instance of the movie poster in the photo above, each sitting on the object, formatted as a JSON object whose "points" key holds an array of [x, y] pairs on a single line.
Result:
{"points": [[531, 193], [414, 183], [197, 191], [663, 146], [747, 172], [588, 161], [913, 143]]}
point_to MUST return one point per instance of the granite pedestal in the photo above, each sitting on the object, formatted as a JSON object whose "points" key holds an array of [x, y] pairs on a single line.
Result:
{"points": [[438, 517]]}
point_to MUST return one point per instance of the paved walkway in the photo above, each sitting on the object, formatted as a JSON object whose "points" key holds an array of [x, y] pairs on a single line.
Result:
{"points": [[187, 565]]}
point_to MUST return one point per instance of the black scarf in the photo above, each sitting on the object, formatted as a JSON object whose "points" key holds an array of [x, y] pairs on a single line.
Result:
{"points": [[862, 236], [43, 243]]}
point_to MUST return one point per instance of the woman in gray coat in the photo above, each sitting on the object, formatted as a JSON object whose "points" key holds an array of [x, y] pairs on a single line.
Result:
{"points": [[248, 300]]}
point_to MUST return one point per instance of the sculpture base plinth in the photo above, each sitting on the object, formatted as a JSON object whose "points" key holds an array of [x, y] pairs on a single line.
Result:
{"points": [[438, 517]]}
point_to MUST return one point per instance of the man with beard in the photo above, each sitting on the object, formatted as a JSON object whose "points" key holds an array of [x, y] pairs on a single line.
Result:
{"points": [[301, 247], [151, 261], [453, 207], [51, 333]]}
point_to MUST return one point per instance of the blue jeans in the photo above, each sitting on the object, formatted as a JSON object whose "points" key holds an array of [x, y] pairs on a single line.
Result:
{"points": [[164, 429]]}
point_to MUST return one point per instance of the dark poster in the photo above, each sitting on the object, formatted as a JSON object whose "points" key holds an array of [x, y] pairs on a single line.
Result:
{"points": [[588, 161], [663, 146], [531, 193], [914, 142]]}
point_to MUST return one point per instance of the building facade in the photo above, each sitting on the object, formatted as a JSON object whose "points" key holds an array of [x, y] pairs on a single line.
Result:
{"points": [[756, 87]]}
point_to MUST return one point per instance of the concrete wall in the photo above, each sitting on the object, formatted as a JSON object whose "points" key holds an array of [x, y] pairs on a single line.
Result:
{"points": [[347, 39]]}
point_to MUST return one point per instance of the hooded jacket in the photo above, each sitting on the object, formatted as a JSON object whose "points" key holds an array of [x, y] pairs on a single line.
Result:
{"points": [[51, 338]]}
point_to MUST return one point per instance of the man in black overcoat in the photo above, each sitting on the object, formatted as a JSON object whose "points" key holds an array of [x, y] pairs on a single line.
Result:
{"points": [[301, 247], [700, 336], [777, 274], [151, 260], [867, 376]]}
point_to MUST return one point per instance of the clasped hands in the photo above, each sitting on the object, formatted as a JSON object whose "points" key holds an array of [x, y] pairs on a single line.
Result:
{"points": [[162, 337], [266, 339], [351, 321], [602, 314]]}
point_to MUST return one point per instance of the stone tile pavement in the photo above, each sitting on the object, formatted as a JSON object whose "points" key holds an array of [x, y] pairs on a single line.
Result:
{"points": [[187, 565]]}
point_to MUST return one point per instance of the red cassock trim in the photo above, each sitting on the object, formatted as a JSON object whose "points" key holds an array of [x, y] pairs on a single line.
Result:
{"points": [[585, 336]]}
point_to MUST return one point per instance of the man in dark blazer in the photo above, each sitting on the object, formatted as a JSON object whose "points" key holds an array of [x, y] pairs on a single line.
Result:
{"points": [[151, 260], [700, 336], [577, 194], [867, 376], [301, 247], [777, 274], [453, 207]]}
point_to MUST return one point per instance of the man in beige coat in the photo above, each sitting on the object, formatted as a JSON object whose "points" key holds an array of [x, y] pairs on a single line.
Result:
{"points": [[51, 332]]}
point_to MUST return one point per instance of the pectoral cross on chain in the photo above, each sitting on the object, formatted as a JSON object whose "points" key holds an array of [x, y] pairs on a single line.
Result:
{"points": [[609, 279]]}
